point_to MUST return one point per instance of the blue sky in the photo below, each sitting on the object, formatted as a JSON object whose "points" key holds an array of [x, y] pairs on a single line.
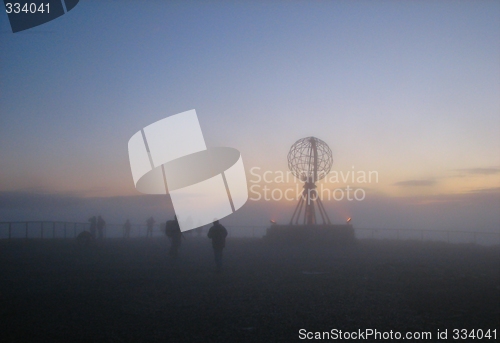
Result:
{"points": [[407, 88]]}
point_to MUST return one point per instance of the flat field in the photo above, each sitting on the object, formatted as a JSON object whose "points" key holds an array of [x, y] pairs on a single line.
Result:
{"points": [[130, 291]]}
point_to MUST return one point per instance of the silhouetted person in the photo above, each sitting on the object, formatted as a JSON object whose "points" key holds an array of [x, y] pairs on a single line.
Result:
{"points": [[150, 223], [126, 229], [173, 231], [218, 234], [101, 224], [93, 226]]}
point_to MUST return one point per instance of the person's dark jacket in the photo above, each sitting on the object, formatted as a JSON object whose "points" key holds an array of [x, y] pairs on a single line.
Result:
{"points": [[218, 234], [173, 231]]}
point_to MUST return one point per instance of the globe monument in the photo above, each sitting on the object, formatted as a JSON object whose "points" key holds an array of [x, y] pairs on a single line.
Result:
{"points": [[310, 160]]}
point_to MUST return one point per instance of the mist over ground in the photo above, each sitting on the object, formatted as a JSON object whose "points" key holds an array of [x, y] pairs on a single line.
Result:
{"points": [[474, 211]]}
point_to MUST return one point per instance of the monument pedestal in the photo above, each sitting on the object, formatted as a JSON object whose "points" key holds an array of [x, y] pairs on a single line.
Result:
{"points": [[316, 234]]}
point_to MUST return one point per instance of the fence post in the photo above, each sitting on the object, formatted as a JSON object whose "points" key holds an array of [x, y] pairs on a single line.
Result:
{"points": [[10, 230], [475, 241], [421, 235], [397, 232], [74, 229], [26, 225], [53, 230], [448, 236], [41, 231], [253, 232], [65, 230], [373, 234]]}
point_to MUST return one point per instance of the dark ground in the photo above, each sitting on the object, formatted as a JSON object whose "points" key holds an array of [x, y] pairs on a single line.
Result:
{"points": [[130, 291]]}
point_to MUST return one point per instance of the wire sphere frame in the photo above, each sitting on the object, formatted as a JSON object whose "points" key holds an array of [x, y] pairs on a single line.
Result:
{"points": [[301, 159]]}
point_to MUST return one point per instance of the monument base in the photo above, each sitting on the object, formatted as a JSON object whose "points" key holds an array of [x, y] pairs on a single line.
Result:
{"points": [[300, 234]]}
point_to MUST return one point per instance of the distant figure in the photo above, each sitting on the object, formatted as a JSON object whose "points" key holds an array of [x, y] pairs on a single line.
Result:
{"points": [[126, 229], [93, 226], [101, 224], [173, 231], [84, 238], [218, 234], [150, 223]]}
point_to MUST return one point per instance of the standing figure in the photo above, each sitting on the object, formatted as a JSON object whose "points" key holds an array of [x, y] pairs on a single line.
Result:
{"points": [[218, 234], [93, 226], [126, 229], [150, 223], [101, 224], [173, 231]]}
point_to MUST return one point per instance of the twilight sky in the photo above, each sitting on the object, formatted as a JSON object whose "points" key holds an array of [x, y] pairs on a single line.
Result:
{"points": [[408, 89]]}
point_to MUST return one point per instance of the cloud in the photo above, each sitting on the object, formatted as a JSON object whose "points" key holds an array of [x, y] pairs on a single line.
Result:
{"points": [[435, 201], [416, 183], [479, 171], [486, 190]]}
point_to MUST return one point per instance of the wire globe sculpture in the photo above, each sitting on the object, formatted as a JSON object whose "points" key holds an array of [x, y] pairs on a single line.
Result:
{"points": [[310, 159]]}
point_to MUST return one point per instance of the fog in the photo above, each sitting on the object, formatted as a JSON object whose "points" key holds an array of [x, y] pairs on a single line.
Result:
{"points": [[471, 212], [404, 94], [399, 276]]}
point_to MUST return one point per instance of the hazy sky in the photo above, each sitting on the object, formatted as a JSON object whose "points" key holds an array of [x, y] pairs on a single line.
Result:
{"points": [[409, 89]]}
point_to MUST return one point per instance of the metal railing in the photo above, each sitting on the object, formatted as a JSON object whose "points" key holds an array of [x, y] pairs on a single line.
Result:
{"points": [[448, 236], [60, 229], [41, 229]]}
